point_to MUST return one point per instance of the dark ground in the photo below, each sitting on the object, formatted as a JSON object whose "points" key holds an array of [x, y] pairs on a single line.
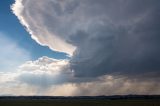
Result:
{"points": [[81, 101]]}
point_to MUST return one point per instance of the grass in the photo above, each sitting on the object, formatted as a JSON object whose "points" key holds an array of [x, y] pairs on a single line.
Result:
{"points": [[80, 102]]}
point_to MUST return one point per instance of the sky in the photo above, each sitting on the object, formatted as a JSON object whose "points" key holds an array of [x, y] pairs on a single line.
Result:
{"points": [[79, 47]]}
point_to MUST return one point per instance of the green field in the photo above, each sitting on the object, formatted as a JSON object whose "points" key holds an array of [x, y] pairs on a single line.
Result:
{"points": [[78, 102]]}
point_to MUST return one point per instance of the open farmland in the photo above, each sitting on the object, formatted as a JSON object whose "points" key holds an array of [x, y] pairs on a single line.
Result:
{"points": [[80, 101]]}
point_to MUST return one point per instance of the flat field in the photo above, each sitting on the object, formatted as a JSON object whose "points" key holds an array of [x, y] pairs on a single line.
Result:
{"points": [[81, 102]]}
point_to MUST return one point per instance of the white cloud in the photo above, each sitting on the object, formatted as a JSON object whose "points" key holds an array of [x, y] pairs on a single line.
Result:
{"points": [[45, 72], [35, 77], [32, 18]]}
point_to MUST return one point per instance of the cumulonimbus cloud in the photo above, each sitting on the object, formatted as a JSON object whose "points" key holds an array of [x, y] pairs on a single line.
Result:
{"points": [[104, 37]]}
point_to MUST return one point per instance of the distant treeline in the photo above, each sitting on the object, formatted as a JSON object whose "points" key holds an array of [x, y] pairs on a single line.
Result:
{"points": [[114, 97]]}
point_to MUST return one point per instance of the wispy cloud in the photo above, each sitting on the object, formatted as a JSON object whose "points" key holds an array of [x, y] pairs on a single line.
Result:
{"points": [[11, 54]]}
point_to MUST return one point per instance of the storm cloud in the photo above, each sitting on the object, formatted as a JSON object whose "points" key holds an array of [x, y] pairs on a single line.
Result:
{"points": [[102, 37], [110, 36]]}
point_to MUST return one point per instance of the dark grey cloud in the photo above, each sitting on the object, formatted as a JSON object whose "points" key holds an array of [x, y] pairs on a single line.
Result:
{"points": [[118, 37], [115, 46], [123, 40]]}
